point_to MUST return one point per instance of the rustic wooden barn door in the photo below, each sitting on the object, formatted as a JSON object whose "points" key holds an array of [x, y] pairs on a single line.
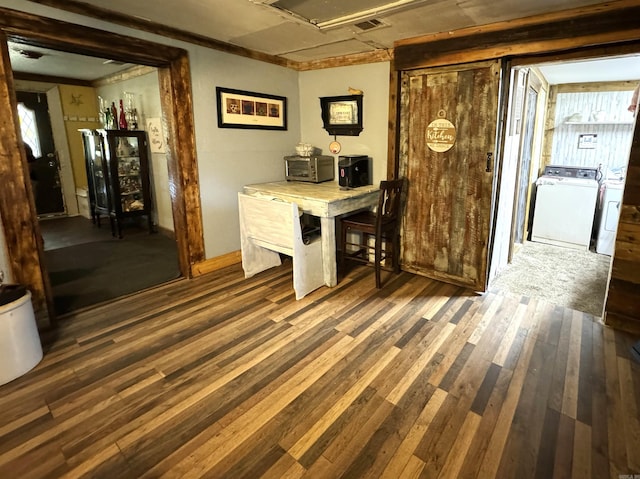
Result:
{"points": [[448, 119]]}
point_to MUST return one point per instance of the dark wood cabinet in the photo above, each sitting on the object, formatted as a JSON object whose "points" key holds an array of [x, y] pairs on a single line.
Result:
{"points": [[117, 166]]}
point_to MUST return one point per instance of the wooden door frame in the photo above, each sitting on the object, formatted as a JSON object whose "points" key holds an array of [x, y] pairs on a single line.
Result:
{"points": [[525, 124], [17, 211]]}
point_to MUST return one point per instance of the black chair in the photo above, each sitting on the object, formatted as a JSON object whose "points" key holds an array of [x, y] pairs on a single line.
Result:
{"points": [[383, 225]]}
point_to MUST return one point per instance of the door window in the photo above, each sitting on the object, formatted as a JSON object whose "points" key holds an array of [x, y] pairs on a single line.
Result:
{"points": [[29, 129]]}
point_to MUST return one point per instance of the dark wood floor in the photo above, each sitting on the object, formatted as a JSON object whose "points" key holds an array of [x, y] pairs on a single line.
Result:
{"points": [[228, 378]]}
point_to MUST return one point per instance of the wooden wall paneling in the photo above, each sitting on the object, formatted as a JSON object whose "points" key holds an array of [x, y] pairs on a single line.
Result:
{"points": [[403, 126], [549, 129], [622, 308], [416, 206], [394, 123], [17, 207], [374, 56], [595, 87]]}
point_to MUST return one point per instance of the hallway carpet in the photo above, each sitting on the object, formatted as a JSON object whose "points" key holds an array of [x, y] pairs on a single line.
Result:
{"points": [[87, 273]]}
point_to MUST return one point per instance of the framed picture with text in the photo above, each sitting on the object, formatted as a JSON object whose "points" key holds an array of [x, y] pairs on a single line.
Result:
{"points": [[245, 109], [342, 115]]}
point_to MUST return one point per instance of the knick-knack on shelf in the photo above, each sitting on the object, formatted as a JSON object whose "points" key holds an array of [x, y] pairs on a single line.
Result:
{"points": [[108, 121], [123, 119], [114, 116]]}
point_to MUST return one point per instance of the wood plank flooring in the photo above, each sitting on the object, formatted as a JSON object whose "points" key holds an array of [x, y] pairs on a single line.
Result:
{"points": [[224, 377]]}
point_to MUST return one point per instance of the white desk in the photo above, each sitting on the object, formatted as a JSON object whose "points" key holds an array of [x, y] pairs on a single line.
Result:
{"points": [[326, 201]]}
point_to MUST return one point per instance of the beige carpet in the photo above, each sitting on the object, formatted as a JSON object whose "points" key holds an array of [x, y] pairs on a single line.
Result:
{"points": [[563, 276]]}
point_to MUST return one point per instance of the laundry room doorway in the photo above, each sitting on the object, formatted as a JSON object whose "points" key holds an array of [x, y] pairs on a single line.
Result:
{"points": [[573, 115]]}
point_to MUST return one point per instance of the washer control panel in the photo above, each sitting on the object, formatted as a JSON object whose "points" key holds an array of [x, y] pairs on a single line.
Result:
{"points": [[571, 172]]}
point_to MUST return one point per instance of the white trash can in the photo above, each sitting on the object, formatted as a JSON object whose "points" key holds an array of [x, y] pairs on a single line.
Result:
{"points": [[20, 347]]}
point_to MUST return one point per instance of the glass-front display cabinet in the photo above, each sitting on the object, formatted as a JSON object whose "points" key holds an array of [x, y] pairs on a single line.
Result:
{"points": [[117, 167]]}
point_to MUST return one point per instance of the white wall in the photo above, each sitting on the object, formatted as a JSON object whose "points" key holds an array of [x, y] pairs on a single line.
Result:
{"points": [[230, 158], [373, 80], [576, 114]]}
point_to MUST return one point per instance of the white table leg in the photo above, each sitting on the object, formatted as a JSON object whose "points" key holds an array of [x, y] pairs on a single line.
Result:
{"points": [[330, 268]]}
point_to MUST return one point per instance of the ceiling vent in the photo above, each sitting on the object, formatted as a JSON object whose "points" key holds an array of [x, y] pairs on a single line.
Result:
{"points": [[369, 24], [326, 14]]}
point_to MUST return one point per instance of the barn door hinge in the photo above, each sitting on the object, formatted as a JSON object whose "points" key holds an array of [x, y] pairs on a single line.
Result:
{"points": [[489, 158]]}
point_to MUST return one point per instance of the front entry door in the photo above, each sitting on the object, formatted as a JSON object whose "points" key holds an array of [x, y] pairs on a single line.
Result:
{"points": [[48, 196], [448, 121]]}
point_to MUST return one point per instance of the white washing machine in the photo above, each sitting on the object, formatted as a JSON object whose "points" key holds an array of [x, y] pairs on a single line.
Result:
{"points": [[609, 214], [565, 206]]}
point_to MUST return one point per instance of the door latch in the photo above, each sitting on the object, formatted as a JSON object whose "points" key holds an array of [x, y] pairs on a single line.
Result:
{"points": [[53, 160], [489, 157]]}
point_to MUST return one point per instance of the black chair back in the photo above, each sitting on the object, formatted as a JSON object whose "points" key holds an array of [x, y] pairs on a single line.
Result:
{"points": [[389, 203]]}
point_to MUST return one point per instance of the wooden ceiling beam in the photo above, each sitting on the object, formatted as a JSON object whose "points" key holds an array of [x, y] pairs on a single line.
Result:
{"points": [[50, 79], [45, 32], [608, 23]]}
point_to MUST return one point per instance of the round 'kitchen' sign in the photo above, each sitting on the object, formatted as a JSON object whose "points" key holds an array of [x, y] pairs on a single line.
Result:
{"points": [[441, 135]]}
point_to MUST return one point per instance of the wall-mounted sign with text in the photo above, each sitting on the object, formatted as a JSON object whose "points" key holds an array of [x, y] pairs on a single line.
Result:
{"points": [[441, 135], [587, 141], [156, 136]]}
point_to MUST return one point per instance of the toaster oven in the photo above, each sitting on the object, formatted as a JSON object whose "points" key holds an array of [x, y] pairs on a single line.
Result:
{"points": [[314, 169]]}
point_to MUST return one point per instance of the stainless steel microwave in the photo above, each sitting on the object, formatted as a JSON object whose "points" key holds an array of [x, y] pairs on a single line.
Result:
{"points": [[315, 168]]}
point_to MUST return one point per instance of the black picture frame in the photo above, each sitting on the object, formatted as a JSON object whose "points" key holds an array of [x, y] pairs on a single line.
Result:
{"points": [[342, 115], [250, 110]]}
